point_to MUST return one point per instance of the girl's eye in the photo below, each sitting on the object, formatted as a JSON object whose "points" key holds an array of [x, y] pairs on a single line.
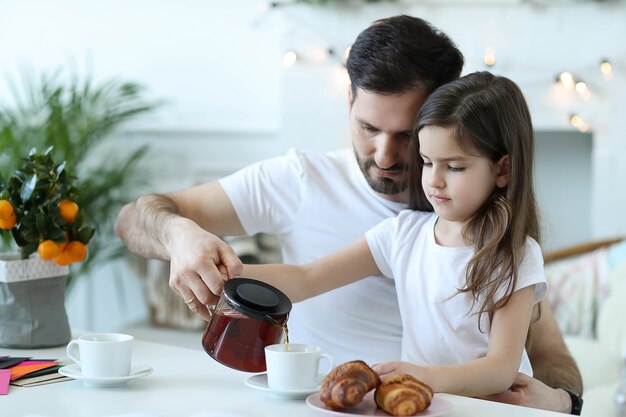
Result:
{"points": [[427, 164], [456, 169]]}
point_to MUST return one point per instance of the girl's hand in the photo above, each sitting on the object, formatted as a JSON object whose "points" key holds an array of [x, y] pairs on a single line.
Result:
{"points": [[387, 369]]}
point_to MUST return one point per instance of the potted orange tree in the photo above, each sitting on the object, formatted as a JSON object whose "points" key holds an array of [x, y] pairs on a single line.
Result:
{"points": [[38, 209]]}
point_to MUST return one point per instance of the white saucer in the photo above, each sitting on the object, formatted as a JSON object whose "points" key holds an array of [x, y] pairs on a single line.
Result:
{"points": [[74, 371], [259, 382]]}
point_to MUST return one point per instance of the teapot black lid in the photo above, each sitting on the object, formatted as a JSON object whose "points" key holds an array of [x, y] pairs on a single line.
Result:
{"points": [[257, 299]]}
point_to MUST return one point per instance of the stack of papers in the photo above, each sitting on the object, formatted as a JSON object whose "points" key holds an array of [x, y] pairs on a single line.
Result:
{"points": [[28, 372]]}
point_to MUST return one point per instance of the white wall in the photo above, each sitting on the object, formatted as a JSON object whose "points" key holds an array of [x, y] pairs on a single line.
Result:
{"points": [[206, 58], [563, 186], [217, 63]]}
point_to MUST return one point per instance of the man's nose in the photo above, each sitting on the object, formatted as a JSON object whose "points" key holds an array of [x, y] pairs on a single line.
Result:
{"points": [[387, 151]]}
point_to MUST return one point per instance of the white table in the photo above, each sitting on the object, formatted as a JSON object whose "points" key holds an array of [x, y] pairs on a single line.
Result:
{"points": [[185, 382]]}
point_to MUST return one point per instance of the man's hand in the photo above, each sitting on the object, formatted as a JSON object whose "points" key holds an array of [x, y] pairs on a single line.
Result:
{"points": [[530, 392], [182, 227], [200, 263]]}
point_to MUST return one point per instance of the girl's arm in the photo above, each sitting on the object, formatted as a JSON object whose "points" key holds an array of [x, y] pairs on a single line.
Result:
{"points": [[490, 374], [340, 268]]}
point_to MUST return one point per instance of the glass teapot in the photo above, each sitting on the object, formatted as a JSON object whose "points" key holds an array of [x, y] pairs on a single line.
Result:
{"points": [[249, 315]]}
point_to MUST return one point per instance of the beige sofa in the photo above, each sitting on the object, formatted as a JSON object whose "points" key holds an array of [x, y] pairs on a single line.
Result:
{"points": [[588, 295]]}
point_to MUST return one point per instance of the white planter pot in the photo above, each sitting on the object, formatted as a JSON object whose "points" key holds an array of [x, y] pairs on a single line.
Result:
{"points": [[32, 303]]}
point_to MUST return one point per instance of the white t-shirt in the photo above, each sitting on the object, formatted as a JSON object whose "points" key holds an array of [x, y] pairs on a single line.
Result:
{"points": [[318, 203], [439, 329]]}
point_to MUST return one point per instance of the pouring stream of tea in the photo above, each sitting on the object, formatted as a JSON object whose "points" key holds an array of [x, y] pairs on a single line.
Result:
{"points": [[286, 330]]}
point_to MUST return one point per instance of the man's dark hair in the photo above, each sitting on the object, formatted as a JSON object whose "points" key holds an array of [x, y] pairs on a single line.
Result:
{"points": [[400, 53]]}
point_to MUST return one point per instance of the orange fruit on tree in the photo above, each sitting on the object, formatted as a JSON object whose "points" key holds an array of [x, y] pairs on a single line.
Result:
{"points": [[62, 259], [75, 251], [49, 249], [9, 223], [68, 210], [6, 210]]}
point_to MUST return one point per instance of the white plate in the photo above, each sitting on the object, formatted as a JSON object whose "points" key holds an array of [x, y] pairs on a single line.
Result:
{"points": [[259, 382], [368, 407], [74, 371]]}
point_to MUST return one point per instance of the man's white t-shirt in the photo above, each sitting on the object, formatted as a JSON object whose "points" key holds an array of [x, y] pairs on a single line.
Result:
{"points": [[439, 326], [317, 203]]}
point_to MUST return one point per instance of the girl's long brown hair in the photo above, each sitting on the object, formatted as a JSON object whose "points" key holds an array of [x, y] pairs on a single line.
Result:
{"points": [[489, 116]]}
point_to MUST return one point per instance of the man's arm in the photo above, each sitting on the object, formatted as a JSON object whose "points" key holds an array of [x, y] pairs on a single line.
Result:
{"points": [[182, 227], [552, 363]]}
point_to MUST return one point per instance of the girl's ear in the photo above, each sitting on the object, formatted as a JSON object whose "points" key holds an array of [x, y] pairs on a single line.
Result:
{"points": [[503, 171]]}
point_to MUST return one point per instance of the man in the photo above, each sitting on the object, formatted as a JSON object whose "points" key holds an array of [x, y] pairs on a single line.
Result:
{"points": [[317, 203]]}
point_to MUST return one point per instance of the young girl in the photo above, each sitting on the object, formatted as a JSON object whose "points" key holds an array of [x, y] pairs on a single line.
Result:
{"points": [[468, 274]]}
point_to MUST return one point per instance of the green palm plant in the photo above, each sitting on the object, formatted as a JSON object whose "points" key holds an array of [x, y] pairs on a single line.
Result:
{"points": [[75, 118]]}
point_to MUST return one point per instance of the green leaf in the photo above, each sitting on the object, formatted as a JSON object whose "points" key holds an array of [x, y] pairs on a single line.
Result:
{"points": [[28, 249], [59, 169], [41, 222], [17, 236], [55, 233], [80, 218], [19, 174], [85, 234], [28, 187], [30, 233]]}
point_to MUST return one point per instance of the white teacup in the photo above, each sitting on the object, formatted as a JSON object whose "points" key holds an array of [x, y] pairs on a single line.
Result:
{"points": [[295, 366], [102, 354]]}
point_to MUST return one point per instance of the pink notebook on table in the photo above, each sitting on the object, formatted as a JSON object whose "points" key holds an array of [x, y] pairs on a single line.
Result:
{"points": [[5, 378]]}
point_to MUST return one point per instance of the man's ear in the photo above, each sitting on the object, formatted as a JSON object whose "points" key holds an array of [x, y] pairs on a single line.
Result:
{"points": [[350, 98], [503, 171]]}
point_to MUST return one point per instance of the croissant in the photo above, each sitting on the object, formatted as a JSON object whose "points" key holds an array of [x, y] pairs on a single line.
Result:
{"points": [[403, 395], [346, 385]]}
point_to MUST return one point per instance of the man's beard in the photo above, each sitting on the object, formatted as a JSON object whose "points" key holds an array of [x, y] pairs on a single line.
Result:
{"points": [[382, 185]]}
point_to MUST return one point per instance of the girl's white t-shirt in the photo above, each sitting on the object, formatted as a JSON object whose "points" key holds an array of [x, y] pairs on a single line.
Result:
{"points": [[317, 203], [439, 326]]}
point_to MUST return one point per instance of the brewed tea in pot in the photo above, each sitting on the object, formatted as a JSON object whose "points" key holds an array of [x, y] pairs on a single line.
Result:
{"points": [[249, 316]]}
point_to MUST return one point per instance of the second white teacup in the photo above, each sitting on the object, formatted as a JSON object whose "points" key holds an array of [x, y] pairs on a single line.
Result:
{"points": [[102, 354], [295, 366]]}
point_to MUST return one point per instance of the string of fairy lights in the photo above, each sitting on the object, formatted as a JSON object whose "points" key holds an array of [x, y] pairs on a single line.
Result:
{"points": [[569, 81], [565, 79]]}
